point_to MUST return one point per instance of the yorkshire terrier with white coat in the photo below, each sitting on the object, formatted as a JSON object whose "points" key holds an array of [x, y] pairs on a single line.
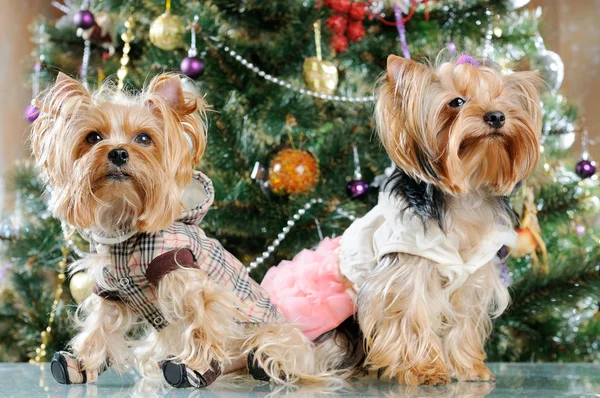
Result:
{"points": [[419, 272]]}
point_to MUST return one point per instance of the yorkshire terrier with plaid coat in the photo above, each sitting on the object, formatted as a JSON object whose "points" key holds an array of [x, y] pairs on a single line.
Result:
{"points": [[120, 168]]}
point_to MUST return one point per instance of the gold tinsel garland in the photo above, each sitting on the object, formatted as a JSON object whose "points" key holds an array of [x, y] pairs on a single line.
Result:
{"points": [[128, 36], [46, 333]]}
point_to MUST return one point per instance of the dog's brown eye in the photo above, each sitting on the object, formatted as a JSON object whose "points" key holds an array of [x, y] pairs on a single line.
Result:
{"points": [[143, 139], [93, 138], [456, 103]]}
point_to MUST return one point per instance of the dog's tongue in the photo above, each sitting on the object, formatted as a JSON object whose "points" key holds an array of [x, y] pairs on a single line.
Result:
{"points": [[467, 59]]}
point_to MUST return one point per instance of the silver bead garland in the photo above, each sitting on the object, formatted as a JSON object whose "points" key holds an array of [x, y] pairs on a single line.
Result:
{"points": [[291, 222], [345, 214], [41, 39], [85, 62], [357, 172], [284, 231], [234, 55], [68, 232], [61, 7], [193, 51], [77, 251]]}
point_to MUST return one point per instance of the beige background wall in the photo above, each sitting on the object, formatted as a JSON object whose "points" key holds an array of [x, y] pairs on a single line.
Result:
{"points": [[571, 28], [15, 47]]}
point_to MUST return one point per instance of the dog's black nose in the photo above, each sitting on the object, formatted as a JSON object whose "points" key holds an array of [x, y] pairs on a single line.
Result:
{"points": [[118, 157], [495, 119]]}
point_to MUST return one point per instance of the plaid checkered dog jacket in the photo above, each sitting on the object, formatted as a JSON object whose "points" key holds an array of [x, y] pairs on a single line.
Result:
{"points": [[139, 262]]}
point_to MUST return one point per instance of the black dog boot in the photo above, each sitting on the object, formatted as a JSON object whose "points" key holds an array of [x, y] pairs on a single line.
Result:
{"points": [[66, 369], [180, 376], [255, 370]]}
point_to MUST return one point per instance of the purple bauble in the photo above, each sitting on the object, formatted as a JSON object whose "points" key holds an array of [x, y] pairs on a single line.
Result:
{"points": [[37, 67], [192, 66], [585, 168], [357, 189], [83, 19], [31, 113], [580, 229], [451, 48]]}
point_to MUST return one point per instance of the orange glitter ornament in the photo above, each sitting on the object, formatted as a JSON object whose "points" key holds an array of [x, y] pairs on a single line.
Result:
{"points": [[293, 171]]}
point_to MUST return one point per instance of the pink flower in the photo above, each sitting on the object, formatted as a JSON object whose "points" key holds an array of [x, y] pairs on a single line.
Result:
{"points": [[308, 290]]}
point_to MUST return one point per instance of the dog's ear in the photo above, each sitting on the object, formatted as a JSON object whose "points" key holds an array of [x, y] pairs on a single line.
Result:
{"points": [[169, 88], [404, 73], [409, 87], [394, 63], [62, 78], [69, 86], [62, 92], [58, 106], [402, 106], [166, 93]]}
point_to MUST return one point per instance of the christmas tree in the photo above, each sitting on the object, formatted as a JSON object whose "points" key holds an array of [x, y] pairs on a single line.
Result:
{"points": [[291, 149]]}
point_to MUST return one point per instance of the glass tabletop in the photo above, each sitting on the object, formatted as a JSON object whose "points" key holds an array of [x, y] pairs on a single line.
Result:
{"points": [[513, 379]]}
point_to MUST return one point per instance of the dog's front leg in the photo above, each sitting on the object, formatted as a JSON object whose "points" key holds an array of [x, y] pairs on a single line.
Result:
{"points": [[100, 342], [399, 311], [204, 334], [482, 294]]}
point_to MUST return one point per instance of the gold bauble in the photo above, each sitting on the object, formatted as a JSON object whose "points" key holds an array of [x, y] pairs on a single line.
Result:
{"points": [[320, 76], [167, 32], [81, 286]]}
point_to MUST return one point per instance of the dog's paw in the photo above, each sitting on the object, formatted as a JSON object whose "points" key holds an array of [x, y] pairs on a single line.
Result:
{"points": [[180, 376], [436, 379], [67, 369], [427, 375], [479, 372], [255, 370]]}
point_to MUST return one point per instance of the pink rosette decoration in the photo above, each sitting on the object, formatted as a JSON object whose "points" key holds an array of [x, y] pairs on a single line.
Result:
{"points": [[308, 290]]}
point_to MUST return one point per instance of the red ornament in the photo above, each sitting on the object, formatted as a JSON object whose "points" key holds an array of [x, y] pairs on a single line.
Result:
{"points": [[337, 24], [340, 6], [358, 11], [293, 171], [339, 43], [355, 31]]}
